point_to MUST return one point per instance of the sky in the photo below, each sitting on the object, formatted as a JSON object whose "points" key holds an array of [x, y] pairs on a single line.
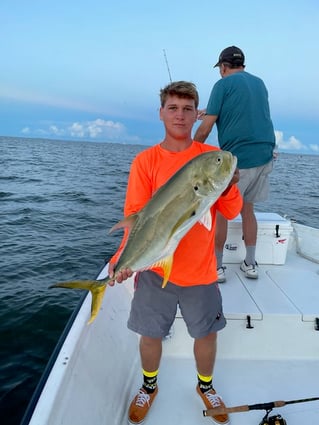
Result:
{"points": [[92, 70]]}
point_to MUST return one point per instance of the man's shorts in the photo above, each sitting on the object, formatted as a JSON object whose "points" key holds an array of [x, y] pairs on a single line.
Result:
{"points": [[254, 182], [154, 308]]}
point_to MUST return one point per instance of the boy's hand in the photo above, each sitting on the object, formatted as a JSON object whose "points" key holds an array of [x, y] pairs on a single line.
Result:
{"points": [[121, 276]]}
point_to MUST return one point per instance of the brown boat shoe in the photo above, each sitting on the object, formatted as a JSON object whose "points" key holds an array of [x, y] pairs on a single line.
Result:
{"points": [[140, 406], [211, 400]]}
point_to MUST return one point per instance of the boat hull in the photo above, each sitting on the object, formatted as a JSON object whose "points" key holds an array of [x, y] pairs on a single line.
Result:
{"points": [[268, 351]]}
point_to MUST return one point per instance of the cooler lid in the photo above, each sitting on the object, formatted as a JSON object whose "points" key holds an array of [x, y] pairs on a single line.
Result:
{"points": [[267, 218]]}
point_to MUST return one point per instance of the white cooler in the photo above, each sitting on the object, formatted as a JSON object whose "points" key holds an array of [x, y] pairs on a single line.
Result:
{"points": [[272, 240]]}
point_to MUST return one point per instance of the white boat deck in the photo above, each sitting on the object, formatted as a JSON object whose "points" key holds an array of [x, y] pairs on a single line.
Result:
{"points": [[98, 371]]}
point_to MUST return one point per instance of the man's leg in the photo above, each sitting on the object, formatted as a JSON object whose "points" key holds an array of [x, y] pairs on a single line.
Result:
{"points": [[249, 226], [249, 223]]}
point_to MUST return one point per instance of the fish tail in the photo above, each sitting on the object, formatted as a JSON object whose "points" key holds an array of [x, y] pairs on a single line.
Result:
{"points": [[96, 287], [97, 298]]}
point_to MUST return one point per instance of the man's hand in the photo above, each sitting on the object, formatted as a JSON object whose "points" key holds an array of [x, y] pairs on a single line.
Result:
{"points": [[235, 179], [201, 113], [120, 276]]}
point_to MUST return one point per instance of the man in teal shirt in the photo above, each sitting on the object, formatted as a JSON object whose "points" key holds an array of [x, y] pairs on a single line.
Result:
{"points": [[238, 104]]}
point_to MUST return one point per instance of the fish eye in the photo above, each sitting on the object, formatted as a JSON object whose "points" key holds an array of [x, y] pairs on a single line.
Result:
{"points": [[196, 188]]}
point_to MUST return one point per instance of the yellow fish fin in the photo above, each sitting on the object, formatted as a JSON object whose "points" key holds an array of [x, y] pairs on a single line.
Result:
{"points": [[166, 264], [97, 288], [97, 298]]}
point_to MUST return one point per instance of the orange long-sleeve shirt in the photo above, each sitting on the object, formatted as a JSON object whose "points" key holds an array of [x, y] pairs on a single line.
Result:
{"points": [[194, 259]]}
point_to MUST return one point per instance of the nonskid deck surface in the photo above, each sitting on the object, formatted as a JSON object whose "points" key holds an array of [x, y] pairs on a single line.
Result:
{"points": [[239, 383], [290, 289], [277, 359], [98, 371]]}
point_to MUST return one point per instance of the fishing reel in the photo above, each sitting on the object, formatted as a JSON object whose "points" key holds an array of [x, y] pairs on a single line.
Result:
{"points": [[273, 420]]}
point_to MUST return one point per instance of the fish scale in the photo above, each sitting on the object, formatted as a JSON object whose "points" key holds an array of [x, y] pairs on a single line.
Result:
{"points": [[156, 230]]}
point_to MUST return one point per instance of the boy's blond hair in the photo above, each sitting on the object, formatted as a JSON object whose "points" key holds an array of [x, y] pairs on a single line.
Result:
{"points": [[183, 89]]}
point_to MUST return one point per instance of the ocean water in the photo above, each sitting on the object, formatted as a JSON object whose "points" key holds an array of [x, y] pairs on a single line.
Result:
{"points": [[57, 202]]}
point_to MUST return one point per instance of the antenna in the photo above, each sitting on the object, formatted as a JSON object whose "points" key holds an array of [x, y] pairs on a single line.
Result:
{"points": [[169, 73]]}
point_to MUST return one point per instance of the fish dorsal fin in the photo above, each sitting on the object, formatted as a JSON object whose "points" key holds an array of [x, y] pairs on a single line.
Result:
{"points": [[166, 264], [127, 222], [206, 220]]}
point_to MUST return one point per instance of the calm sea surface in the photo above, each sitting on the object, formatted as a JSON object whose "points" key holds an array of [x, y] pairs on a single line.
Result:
{"points": [[57, 202]]}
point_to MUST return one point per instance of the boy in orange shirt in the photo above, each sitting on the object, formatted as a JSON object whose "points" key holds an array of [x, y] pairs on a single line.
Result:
{"points": [[193, 275]]}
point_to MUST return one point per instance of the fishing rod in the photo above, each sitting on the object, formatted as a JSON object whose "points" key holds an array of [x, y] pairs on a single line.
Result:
{"points": [[261, 406], [166, 61]]}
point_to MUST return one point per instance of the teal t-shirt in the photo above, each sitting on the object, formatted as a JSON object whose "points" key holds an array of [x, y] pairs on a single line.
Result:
{"points": [[244, 124]]}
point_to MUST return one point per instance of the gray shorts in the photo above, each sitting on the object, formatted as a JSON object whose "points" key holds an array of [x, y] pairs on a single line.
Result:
{"points": [[154, 308], [254, 182]]}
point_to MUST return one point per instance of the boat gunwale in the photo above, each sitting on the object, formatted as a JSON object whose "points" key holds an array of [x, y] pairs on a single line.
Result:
{"points": [[53, 358]]}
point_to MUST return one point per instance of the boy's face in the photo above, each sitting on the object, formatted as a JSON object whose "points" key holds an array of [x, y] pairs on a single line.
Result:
{"points": [[178, 115]]}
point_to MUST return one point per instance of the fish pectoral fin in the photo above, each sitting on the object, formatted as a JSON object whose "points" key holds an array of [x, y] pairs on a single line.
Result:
{"points": [[183, 218], [96, 287], [127, 222], [166, 264], [206, 220]]}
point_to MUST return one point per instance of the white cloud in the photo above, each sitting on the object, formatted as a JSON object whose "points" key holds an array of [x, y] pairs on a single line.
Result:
{"points": [[98, 129], [108, 128], [53, 129], [76, 130], [292, 144]]}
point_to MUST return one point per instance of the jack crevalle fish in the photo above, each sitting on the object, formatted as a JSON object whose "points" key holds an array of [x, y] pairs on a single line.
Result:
{"points": [[156, 230]]}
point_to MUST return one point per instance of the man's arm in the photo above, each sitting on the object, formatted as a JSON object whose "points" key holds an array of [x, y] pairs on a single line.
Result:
{"points": [[205, 128]]}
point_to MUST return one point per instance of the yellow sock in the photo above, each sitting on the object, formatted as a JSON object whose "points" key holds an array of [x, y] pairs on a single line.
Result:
{"points": [[205, 378], [205, 383], [150, 374], [150, 381]]}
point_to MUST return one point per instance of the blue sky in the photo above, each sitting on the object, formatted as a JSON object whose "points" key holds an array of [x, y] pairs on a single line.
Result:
{"points": [[92, 70]]}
